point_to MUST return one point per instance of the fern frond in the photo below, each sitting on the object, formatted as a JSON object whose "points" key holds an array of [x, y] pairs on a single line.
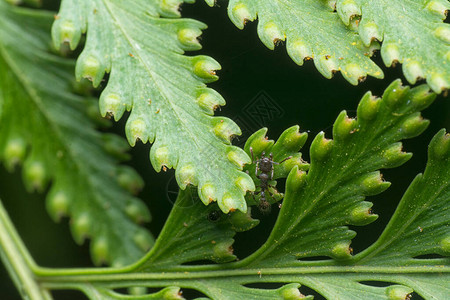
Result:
{"points": [[412, 33], [312, 222], [312, 30], [343, 171], [47, 128], [169, 101], [422, 215], [188, 217]]}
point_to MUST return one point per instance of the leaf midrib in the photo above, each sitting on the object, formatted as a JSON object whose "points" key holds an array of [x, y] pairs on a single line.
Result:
{"points": [[149, 71], [110, 274]]}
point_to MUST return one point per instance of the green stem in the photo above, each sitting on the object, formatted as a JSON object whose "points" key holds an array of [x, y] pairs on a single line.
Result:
{"points": [[18, 261], [53, 278]]}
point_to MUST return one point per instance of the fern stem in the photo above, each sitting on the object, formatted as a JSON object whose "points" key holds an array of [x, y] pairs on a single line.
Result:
{"points": [[72, 277], [18, 261]]}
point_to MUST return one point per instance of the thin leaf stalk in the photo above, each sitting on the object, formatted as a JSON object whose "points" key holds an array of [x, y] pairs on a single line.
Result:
{"points": [[18, 261]]}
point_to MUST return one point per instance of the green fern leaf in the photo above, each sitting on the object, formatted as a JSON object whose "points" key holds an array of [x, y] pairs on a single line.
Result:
{"points": [[422, 215], [169, 102], [412, 33], [312, 222], [312, 30], [47, 128], [194, 233], [345, 170], [188, 216]]}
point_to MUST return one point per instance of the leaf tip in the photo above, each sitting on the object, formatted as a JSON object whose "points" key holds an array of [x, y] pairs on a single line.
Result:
{"points": [[188, 38], [207, 193], [65, 31], [170, 8], [100, 250], [35, 174], [298, 51], [129, 179], [373, 184], [394, 156], [172, 293], [291, 140], [205, 68], [390, 53], [81, 226], [91, 67], [398, 292], [414, 125], [238, 157], [258, 142], [353, 73], [136, 129], [348, 9], [438, 7], [362, 214], [295, 180], [369, 32], [342, 251], [14, 152], [440, 146], [394, 95], [239, 14], [57, 204], [270, 34], [343, 127], [209, 100], [291, 292], [160, 157], [225, 129], [320, 147], [231, 203], [368, 108], [438, 83], [443, 33], [223, 251], [111, 105], [186, 175], [412, 71], [245, 183], [242, 221], [422, 97]]}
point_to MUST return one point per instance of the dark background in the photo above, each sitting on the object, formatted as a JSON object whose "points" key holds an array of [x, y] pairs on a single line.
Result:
{"points": [[248, 69]]}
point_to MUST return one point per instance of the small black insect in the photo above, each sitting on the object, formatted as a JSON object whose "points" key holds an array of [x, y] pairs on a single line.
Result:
{"points": [[264, 172], [214, 216]]}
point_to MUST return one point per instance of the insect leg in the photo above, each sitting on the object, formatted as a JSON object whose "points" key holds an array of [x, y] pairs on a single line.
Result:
{"points": [[287, 158]]}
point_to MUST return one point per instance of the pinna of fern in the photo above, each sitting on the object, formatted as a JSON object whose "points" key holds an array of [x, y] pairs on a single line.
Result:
{"points": [[342, 35], [170, 104], [318, 207], [66, 153]]}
